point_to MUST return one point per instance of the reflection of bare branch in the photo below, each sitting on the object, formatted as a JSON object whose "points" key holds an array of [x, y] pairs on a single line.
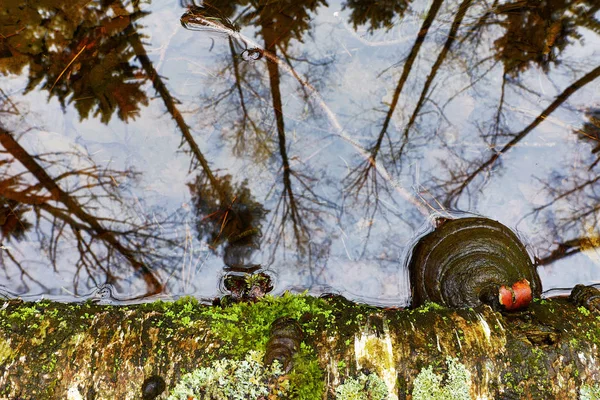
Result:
{"points": [[433, 10], [462, 10], [466, 178], [577, 188], [262, 142], [22, 269], [364, 176], [566, 249], [74, 207], [316, 98], [474, 34]]}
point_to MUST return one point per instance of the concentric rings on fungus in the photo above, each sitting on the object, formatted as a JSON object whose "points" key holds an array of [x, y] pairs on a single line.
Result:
{"points": [[469, 261]]}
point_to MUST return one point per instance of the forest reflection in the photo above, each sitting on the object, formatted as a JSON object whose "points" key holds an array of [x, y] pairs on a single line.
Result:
{"points": [[268, 97]]}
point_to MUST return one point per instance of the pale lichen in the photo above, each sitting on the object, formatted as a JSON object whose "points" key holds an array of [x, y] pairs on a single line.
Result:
{"points": [[589, 392], [229, 379], [455, 385], [363, 387]]}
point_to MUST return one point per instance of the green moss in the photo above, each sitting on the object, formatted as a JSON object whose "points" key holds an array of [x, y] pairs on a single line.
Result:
{"points": [[363, 387], [241, 328], [6, 353], [245, 326], [584, 311], [455, 385], [429, 306], [306, 379], [24, 313]]}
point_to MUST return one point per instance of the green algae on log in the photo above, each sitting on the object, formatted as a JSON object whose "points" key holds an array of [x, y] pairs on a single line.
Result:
{"points": [[467, 261], [76, 351]]}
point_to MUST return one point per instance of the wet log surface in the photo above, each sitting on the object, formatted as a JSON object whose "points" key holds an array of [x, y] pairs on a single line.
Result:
{"points": [[89, 351]]}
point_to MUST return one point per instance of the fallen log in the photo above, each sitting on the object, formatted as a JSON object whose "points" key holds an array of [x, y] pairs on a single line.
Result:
{"points": [[347, 351]]}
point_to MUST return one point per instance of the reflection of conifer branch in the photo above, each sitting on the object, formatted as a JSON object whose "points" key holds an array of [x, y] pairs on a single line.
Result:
{"points": [[466, 179], [73, 206]]}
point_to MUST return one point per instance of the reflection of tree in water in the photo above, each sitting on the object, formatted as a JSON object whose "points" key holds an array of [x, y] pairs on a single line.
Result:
{"points": [[79, 50], [363, 179], [91, 213], [537, 32], [278, 24], [462, 175], [12, 221], [238, 108], [590, 132], [573, 212], [471, 45]]}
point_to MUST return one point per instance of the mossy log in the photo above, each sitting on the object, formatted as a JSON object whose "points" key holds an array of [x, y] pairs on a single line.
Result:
{"points": [[90, 351]]}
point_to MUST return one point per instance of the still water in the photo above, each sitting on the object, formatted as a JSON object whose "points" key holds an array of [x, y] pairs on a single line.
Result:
{"points": [[148, 148]]}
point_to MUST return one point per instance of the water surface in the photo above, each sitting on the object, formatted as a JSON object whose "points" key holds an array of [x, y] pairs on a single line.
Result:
{"points": [[147, 148]]}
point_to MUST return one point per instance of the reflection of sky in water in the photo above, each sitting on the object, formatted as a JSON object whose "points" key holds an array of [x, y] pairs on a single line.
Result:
{"points": [[350, 254]]}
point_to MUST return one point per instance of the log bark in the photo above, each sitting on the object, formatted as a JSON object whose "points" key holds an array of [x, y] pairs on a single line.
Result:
{"points": [[90, 351]]}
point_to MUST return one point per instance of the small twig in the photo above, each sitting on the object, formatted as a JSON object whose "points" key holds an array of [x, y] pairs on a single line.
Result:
{"points": [[67, 67]]}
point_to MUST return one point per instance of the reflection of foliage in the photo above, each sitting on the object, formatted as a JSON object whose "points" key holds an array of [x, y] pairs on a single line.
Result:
{"points": [[538, 31], [79, 50], [378, 14], [226, 212], [281, 20], [590, 132], [12, 222]]}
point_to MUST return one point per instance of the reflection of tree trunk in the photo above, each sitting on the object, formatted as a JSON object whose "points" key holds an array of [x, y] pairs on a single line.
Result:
{"points": [[561, 98], [270, 37], [441, 57], [405, 71], [161, 88], [57, 194]]}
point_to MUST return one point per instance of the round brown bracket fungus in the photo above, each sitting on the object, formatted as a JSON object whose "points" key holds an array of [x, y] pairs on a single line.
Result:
{"points": [[284, 341], [469, 261]]}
